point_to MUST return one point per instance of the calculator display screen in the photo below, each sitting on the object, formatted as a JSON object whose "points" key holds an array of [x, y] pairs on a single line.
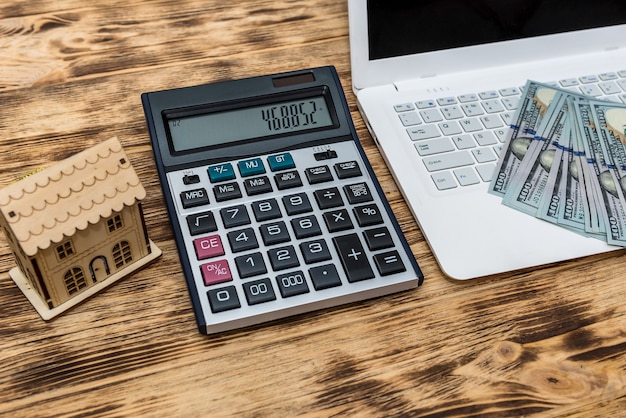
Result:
{"points": [[224, 127]]}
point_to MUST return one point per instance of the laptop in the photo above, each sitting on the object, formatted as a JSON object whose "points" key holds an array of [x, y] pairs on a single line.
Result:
{"points": [[418, 70]]}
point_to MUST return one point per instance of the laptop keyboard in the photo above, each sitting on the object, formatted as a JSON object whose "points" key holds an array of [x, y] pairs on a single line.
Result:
{"points": [[459, 138]]}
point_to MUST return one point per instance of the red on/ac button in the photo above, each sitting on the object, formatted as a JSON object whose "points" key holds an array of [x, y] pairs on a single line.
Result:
{"points": [[207, 247]]}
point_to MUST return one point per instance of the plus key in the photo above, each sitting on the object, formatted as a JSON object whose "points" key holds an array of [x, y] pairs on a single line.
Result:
{"points": [[353, 258]]}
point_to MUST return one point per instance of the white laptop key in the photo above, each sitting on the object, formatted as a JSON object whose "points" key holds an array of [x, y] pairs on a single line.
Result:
{"points": [[466, 176], [452, 112], [471, 125], [485, 171], [491, 121], [464, 141], [569, 82], [443, 181], [444, 101], [425, 104], [423, 132], [434, 146], [410, 118], [608, 76], [591, 90], [510, 103], [446, 161], [464, 98], [469, 231], [509, 91], [450, 128], [485, 138], [472, 109], [484, 155], [586, 79], [404, 107], [610, 87], [492, 106], [431, 115]]}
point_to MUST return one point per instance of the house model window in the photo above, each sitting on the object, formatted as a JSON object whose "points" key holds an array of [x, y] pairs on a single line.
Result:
{"points": [[76, 227]]}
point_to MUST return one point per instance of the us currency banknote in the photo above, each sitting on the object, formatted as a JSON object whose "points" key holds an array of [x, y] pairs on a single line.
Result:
{"points": [[580, 200], [564, 161], [526, 190], [602, 184], [610, 123], [552, 199], [533, 104]]}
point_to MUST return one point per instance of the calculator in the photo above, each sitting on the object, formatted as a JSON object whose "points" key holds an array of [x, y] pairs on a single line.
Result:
{"points": [[274, 206]]}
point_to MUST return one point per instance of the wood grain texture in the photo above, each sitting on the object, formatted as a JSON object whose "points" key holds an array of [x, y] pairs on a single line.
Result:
{"points": [[548, 341]]}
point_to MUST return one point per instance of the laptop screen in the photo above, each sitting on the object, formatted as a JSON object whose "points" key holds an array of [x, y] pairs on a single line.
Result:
{"points": [[405, 27]]}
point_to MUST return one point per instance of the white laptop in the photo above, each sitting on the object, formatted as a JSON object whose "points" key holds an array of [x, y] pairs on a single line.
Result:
{"points": [[410, 58]]}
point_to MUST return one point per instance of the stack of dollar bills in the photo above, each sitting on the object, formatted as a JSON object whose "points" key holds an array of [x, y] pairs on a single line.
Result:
{"points": [[564, 161]]}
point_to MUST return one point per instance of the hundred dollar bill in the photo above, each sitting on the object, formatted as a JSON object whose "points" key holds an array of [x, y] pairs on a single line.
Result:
{"points": [[563, 201], [611, 207], [579, 197], [526, 190], [551, 200], [610, 122], [533, 104]]}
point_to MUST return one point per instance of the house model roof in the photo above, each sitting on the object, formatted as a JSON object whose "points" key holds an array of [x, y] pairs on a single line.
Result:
{"points": [[46, 207]]}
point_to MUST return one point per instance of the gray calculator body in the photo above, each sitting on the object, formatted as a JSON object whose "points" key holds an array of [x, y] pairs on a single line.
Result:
{"points": [[274, 206]]}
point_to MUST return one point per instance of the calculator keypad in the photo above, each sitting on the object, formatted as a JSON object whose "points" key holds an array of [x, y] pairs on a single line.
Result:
{"points": [[286, 232]]}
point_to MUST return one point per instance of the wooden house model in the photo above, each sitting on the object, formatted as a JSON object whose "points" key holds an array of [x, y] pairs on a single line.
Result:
{"points": [[76, 227]]}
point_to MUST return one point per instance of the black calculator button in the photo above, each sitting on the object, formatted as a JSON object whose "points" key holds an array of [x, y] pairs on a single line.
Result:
{"points": [[283, 258], [319, 174], [378, 238], [227, 191], [315, 251], [306, 227], [257, 185], [242, 240], [292, 284], [353, 257], [274, 233], [389, 263], [325, 155], [338, 220], [201, 223], [358, 193], [288, 180], [296, 204], [328, 198], [264, 210], [347, 169], [191, 179], [259, 291], [235, 216], [193, 198], [223, 299], [368, 215], [324, 277], [250, 265]]}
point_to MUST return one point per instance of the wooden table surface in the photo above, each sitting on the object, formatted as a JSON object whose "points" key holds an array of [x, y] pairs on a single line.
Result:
{"points": [[548, 341]]}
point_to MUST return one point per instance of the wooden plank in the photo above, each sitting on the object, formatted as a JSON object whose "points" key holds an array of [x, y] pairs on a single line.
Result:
{"points": [[77, 40]]}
